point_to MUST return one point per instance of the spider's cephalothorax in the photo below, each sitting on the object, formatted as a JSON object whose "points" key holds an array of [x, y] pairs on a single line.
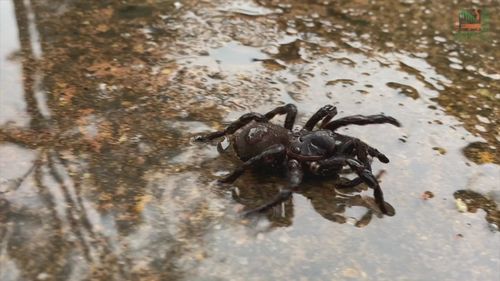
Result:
{"points": [[322, 152]]}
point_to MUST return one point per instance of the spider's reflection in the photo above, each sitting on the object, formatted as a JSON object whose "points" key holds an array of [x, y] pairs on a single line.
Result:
{"points": [[340, 205]]}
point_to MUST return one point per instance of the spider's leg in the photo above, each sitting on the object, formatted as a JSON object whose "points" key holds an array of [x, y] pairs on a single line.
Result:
{"points": [[372, 182], [273, 150], [295, 175], [336, 163], [357, 181], [361, 120], [326, 113], [233, 127], [362, 149], [291, 112], [375, 153], [353, 146], [351, 183], [363, 173]]}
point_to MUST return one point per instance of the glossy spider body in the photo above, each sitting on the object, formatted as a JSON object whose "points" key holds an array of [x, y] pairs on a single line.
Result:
{"points": [[320, 152]]}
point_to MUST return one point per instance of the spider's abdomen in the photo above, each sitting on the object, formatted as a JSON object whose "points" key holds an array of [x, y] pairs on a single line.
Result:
{"points": [[256, 137]]}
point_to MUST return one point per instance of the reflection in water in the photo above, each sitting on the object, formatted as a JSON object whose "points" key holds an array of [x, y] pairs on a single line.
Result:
{"points": [[32, 30], [336, 205], [47, 222], [98, 179]]}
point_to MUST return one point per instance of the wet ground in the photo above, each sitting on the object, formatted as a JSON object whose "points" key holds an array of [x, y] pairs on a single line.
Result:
{"points": [[99, 178]]}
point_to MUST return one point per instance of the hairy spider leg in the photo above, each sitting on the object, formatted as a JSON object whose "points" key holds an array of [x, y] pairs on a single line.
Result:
{"points": [[290, 110], [326, 113], [361, 120], [295, 175], [363, 173], [273, 150], [348, 148], [351, 183], [372, 182], [354, 146], [362, 149], [234, 126]]}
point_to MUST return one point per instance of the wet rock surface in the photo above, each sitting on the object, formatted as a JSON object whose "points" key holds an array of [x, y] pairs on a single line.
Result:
{"points": [[475, 201], [99, 101]]}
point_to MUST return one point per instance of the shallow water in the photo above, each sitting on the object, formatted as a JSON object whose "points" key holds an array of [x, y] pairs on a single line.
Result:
{"points": [[99, 178]]}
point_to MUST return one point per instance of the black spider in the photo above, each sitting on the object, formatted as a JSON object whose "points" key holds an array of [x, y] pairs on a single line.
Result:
{"points": [[322, 152]]}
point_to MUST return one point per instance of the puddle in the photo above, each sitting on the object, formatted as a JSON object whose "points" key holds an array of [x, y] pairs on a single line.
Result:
{"points": [[233, 56], [100, 179], [12, 101], [247, 8]]}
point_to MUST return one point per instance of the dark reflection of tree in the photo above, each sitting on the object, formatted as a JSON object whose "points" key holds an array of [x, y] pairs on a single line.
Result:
{"points": [[30, 66], [51, 239]]}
